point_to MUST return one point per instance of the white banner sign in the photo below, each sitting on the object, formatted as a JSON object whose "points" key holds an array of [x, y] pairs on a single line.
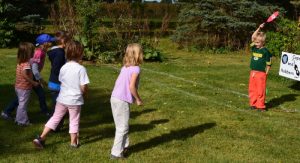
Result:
{"points": [[290, 65]]}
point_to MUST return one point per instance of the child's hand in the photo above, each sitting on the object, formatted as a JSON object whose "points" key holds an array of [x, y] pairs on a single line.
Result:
{"points": [[262, 25], [43, 83], [35, 84], [139, 102]]}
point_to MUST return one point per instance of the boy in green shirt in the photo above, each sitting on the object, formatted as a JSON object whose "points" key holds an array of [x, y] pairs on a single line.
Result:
{"points": [[260, 65]]}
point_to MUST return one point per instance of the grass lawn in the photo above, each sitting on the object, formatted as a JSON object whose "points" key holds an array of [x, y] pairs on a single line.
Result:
{"points": [[195, 111]]}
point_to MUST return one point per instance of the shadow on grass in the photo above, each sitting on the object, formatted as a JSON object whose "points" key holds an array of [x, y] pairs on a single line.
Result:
{"points": [[181, 134], [33, 108], [280, 100], [295, 86], [134, 114], [109, 132], [96, 109]]}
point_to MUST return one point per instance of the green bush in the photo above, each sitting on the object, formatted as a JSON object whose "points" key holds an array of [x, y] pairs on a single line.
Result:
{"points": [[7, 23], [151, 53], [219, 23], [286, 38]]}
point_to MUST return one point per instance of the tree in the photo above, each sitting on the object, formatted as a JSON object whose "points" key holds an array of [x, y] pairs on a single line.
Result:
{"points": [[219, 23], [7, 23]]}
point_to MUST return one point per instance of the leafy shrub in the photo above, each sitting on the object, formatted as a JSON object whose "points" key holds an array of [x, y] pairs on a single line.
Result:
{"points": [[7, 23], [151, 53], [84, 20], [107, 57], [145, 10], [286, 37]]}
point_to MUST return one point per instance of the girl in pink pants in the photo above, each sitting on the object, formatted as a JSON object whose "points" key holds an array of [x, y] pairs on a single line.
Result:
{"points": [[74, 80]]}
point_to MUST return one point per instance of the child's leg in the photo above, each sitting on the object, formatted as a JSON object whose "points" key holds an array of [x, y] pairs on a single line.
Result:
{"points": [[126, 141], [42, 98], [23, 97], [120, 110], [73, 138], [11, 106], [74, 116], [54, 95], [252, 89], [45, 133], [60, 111], [261, 90]]}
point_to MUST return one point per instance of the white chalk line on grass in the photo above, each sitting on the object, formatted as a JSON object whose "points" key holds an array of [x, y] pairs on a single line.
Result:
{"points": [[199, 83], [185, 92], [202, 98], [194, 82], [190, 81], [208, 86]]}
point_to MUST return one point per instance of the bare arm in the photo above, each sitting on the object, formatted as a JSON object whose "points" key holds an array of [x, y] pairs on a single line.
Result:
{"points": [[84, 89], [268, 69], [25, 74], [254, 35], [133, 89]]}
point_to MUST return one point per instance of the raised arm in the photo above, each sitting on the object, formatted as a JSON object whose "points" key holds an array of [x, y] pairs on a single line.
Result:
{"points": [[254, 35]]}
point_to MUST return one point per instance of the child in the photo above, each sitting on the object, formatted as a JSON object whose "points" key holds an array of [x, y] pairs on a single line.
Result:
{"points": [[37, 63], [43, 42], [74, 80], [125, 93], [260, 66], [24, 82], [57, 58]]}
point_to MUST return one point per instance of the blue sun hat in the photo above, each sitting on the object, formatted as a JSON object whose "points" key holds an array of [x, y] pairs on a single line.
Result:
{"points": [[43, 38]]}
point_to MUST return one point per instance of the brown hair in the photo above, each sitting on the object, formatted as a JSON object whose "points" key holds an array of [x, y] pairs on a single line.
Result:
{"points": [[25, 52], [133, 55], [74, 50], [62, 37]]}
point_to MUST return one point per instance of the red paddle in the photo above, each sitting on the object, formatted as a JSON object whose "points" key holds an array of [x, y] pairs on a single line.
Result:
{"points": [[272, 17]]}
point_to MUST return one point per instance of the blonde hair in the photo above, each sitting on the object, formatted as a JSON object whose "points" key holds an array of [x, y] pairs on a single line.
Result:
{"points": [[261, 36], [45, 46], [133, 55]]}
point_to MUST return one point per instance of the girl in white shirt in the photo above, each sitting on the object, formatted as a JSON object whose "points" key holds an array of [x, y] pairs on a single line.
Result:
{"points": [[74, 80]]}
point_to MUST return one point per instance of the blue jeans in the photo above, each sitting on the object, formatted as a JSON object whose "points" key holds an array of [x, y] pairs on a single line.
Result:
{"points": [[42, 100], [54, 95]]}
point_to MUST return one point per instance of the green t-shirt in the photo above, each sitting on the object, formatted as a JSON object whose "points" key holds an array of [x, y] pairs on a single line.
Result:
{"points": [[260, 58]]}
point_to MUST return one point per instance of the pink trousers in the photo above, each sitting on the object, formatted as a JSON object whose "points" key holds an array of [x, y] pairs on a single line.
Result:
{"points": [[60, 111], [257, 89]]}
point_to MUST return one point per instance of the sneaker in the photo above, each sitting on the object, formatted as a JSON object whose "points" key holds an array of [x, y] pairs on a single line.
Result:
{"points": [[23, 124], [113, 157], [48, 115], [261, 110], [38, 143], [74, 145], [252, 108], [6, 116], [126, 152]]}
